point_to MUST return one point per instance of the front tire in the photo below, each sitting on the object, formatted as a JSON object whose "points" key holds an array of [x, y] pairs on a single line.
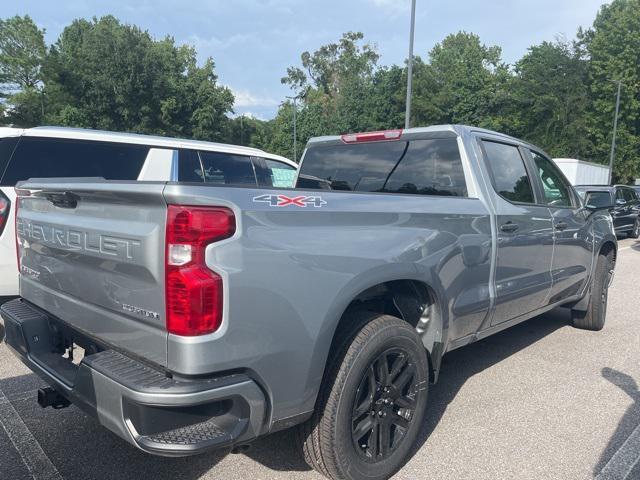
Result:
{"points": [[595, 315], [372, 401]]}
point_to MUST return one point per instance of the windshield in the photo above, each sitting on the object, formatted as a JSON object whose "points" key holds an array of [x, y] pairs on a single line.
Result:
{"points": [[597, 199]]}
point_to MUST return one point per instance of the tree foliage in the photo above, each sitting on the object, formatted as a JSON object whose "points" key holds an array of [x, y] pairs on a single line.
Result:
{"points": [[22, 56], [613, 48], [22, 52], [107, 75], [101, 73], [550, 99]]}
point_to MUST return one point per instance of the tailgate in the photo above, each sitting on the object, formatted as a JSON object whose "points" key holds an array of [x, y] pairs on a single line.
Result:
{"points": [[92, 254]]}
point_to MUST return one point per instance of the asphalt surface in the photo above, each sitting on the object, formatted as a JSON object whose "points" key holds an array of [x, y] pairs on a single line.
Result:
{"points": [[541, 400]]}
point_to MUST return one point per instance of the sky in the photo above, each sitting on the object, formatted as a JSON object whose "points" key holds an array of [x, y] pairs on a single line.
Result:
{"points": [[254, 41]]}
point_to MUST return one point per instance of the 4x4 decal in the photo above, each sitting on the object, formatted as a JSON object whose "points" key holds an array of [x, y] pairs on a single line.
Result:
{"points": [[285, 201]]}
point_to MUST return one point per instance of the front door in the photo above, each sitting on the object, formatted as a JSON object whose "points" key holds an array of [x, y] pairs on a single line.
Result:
{"points": [[621, 213], [525, 234], [573, 251]]}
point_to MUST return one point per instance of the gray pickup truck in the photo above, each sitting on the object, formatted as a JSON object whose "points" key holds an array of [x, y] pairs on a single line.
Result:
{"points": [[187, 317]]}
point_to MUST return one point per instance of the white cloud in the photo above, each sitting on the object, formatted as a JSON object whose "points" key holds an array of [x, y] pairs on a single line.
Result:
{"points": [[245, 98], [249, 114]]}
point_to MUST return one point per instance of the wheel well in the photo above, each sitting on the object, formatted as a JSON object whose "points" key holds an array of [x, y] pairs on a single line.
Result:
{"points": [[405, 299], [409, 300], [607, 248]]}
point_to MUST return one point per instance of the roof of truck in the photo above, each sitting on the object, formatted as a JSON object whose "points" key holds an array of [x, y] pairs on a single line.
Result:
{"points": [[150, 140], [450, 128]]}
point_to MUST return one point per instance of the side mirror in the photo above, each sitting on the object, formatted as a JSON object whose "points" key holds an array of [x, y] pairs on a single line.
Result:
{"points": [[620, 202]]}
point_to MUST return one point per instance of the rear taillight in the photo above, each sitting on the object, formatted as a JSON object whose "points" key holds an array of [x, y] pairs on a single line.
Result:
{"points": [[194, 293], [383, 136], [5, 208]]}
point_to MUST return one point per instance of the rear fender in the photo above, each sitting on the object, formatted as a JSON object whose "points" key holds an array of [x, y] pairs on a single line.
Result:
{"points": [[433, 336]]}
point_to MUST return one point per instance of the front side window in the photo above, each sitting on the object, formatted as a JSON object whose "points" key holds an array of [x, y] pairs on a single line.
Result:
{"points": [[508, 172], [58, 158], [419, 167], [620, 195], [227, 169], [557, 192]]}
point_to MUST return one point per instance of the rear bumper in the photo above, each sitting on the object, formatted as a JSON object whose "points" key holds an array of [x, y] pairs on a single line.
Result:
{"points": [[157, 414]]}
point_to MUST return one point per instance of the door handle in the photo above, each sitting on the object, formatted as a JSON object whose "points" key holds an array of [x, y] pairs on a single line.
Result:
{"points": [[509, 227], [561, 226]]}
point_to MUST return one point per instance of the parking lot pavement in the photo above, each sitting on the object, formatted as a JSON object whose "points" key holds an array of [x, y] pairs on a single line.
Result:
{"points": [[540, 400]]}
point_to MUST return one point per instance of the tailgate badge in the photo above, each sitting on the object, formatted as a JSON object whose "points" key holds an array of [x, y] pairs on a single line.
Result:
{"points": [[140, 311], [30, 272], [285, 201]]}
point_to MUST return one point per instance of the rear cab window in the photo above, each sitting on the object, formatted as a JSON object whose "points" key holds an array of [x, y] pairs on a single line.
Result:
{"points": [[418, 167], [36, 157]]}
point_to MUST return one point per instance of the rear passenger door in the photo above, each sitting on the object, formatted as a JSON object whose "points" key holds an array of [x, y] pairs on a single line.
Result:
{"points": [[525, 233], [573, 241]]}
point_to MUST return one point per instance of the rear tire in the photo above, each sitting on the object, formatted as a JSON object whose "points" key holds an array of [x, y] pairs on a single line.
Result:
{"points": [[372, 401], [635, 233], [595, 315]]}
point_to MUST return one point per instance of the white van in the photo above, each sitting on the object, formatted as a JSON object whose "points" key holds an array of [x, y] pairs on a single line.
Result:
{"points": [[45, 152]]}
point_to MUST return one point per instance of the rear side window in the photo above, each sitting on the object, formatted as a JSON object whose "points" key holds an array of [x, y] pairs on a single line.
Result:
{"points": [[277, 174], [7, 145], [227, 169], [420, 167], [508, 172], [189, 167], [50, 158]]}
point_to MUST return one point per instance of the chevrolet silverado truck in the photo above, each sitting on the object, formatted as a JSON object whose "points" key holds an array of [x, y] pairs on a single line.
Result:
{"points": [[187, 317]]}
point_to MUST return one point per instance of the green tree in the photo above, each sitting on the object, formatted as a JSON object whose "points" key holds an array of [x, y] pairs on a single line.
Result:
{"points": [[613, 47], [103, 74], [22, 55], [550, 98], [339, 86], [249, 131], [466, 82]]}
